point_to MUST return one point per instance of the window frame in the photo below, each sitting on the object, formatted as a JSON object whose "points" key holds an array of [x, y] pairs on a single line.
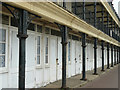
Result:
{"points": [[36, 35], [5, 69], [69, 61], [37, 49], [46, 64], [38, 65]]}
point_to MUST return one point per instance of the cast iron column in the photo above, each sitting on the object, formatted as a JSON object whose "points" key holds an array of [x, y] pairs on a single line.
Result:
{"points": [[103, 19], [84, 55], [111, 55], [22, 35], [114, 55], [117, 55], [117, 33], [102, 56], [95, 56], [108, 24], [90, 16], [64, 4], [83, 47], [111, 28], [64, 44], [114, 30], [108, 56], [95, 43]]}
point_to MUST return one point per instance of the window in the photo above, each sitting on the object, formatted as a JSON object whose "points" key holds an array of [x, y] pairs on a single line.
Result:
{"points": [[13, 22], [31, 27], [75, 38], [38, 50], [4, 19], [70, 36], [69, 51], [2, 47], [47, 30], [46, 50], [39, 29], [56, 33]]}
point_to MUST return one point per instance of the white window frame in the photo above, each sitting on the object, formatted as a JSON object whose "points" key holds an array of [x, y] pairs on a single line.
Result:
{"points": [[47, 64], [69, 61], [5, 69], [36, 50], [38, 66]]}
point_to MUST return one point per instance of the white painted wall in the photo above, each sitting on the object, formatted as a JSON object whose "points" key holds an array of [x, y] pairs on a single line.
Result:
{"points": [[43, 75]]}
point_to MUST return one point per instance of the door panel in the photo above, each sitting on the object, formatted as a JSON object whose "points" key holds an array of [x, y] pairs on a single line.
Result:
{"points": [[73, 58], [53, 56], [78, 56], [59, 62]]}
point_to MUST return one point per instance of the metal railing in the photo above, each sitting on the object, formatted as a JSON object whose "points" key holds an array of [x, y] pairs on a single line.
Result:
{"points": [[89, 18]]}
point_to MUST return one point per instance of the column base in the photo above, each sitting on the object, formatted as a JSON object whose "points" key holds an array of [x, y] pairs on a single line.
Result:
{"points": [[64, 87], [108, 68], [95, 73], [84, 79], [112, 66], [103, 70]]}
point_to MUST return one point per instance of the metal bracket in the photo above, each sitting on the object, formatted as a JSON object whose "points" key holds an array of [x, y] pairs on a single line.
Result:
{"points": [[16, 14], [59, 26]]}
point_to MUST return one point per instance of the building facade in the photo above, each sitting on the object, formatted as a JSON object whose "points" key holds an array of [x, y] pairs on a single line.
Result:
{"points": [[92, 40]]}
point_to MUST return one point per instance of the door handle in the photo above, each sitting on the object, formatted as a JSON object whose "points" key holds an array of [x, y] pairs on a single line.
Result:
{"points": [[57, 61], [75, 60]]}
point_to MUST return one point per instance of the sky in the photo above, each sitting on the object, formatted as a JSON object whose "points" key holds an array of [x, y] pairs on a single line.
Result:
{"points": [[115, 4]]}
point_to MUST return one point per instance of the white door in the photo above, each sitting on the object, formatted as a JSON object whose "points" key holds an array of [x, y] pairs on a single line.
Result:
{"points": [[30, 60], [73, 65], [78, 56], [47, 61], [59, 59], [53, 57], [14, 61], [29, 63], [43, 60], [88, 53]]}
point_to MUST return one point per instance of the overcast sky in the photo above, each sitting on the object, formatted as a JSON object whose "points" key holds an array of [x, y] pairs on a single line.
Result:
{"points": [[115, 4]]}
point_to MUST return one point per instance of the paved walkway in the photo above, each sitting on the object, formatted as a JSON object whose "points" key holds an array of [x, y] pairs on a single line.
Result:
{"points": [[107, 80], [75, 82]]}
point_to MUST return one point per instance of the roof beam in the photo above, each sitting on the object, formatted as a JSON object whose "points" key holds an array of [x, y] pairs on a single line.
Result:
{"points": [[63, 17]]}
